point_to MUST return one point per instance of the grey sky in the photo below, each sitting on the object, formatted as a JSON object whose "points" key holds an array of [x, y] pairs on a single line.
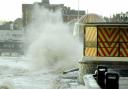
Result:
{"points": [[11, 9]]}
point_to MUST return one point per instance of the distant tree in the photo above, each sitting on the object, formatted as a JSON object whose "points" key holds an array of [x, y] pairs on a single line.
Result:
{"points": [[107, 19], [120, 17]]}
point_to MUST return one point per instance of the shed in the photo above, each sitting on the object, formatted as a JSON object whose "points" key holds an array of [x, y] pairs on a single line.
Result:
{"points": [[103, 39]]}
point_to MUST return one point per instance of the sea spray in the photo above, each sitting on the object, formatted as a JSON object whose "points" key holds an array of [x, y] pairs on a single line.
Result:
{"points": [[51, 46], [7, 84]]}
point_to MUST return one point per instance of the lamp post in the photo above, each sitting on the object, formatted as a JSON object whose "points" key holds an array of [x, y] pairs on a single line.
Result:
{"points": [[78, 10]]}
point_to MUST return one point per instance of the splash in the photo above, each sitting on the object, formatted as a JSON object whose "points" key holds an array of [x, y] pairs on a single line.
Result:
{"points": [[51, 50], [7, 85], [51, 45]]}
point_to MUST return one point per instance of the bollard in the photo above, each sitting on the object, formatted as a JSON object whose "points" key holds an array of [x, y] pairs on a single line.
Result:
{"points": [[112, 81], [101, 75]]}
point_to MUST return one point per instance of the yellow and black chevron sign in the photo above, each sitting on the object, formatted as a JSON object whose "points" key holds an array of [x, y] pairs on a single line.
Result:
{"points": [[91, 52], [124, 49], [108, 44], [124, 34], [113, 52], [108, 34], [91, 34]]}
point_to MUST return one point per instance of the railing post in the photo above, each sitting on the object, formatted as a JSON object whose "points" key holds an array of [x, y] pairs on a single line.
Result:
{"points": [[112, 81], [101, 75]]}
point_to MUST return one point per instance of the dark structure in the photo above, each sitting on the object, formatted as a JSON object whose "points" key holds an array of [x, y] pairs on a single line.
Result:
{"points": [[67, 13]]}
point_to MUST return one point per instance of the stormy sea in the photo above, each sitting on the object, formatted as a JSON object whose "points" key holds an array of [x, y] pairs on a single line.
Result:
{"points": [[51, 49]]}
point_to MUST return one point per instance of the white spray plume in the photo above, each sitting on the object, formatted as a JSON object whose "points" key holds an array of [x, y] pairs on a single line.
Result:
{"points": [[7, 84], [52, 47]]}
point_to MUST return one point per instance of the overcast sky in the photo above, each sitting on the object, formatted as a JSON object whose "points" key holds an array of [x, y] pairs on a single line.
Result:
{"points": [[11, 9]]}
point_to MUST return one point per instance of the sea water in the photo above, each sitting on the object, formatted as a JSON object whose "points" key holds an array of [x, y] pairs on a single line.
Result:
{"points": [[50, 50]]}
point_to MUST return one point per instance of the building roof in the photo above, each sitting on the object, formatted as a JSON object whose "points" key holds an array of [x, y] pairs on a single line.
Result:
{"points": [[91, 18]]}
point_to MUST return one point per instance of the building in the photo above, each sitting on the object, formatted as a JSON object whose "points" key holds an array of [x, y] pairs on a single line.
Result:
{"points": [[7, 26], [12, 38], [104, 44], [67, 13], [11, 42]]}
